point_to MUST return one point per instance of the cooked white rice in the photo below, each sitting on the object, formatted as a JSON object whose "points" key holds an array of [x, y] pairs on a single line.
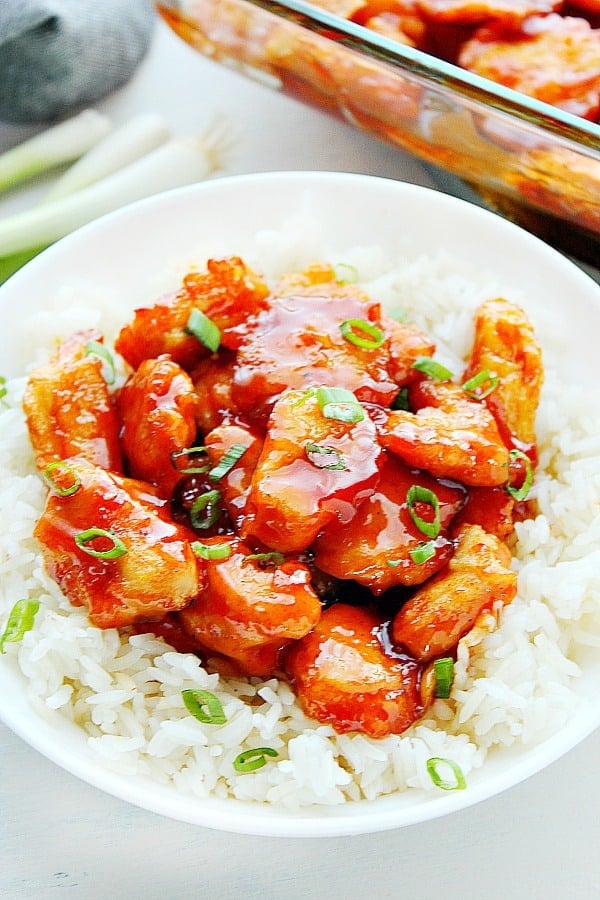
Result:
{"points": [[515, 685]]}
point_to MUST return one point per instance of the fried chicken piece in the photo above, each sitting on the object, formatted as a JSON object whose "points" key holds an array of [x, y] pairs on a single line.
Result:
{"points": [[312, 469], [158, 407], [343, 677], [68, 407], [474, 12], [444, 609], [156, 571], [251, 608], [449, 435], [553, 58]]}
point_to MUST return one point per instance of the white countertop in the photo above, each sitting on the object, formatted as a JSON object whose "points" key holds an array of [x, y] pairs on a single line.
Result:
{"points": [[538, 840]]}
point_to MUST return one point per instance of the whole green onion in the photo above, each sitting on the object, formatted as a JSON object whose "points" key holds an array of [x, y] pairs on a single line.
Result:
{"points": [[250, 760], [204, 706], [20, 619]]}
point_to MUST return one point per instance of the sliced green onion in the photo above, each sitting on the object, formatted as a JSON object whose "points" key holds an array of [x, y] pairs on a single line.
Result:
{"points": [[400, 401], [204, 330], [324, 457], [433, 768], [204, 706], [95, 348], [20, 619], [3, 391], [345, 273], [443, 669], [176, 455], [434, 369], [273, 558], [204, 511], [211, 551], [228, 461], [251, 760], [307, 395], [417, 494], [481, 385], [393, 563], [339, 404], [422, 552], [522, 492], [354, 331], [53, 467], [84, 538]]}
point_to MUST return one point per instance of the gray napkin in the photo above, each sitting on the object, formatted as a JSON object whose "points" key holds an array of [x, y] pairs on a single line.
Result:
{"points": [[59, 55]]}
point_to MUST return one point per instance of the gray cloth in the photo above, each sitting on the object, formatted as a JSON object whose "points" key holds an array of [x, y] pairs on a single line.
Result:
{"points": [[57, 56]]}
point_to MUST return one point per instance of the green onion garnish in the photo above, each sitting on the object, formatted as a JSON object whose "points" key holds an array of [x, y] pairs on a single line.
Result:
{"points": [[176, 455], [522, 492], [434, 369], [84, 538], [95, 348], [273, 558], [204, 706], [345, 273], [433, 766], [204, 511], [417, 494], [204, 330], [400, 401], [354, 331], [211, 551], [324, 457], [250, 760], [3, 391], [422, 552], [53, 467], [228, 461], [481, 385], [339, 404], [20, 619], [443, 670]]}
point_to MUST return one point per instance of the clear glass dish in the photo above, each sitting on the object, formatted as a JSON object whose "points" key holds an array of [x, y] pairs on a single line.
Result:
{"points": [[532, 162]]}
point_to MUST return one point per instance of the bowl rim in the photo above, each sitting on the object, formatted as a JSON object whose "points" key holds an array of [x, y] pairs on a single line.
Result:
{"points": [[233, 815]]}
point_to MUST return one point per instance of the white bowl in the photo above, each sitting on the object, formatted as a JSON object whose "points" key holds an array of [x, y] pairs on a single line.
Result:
{"points": [[127, 254]]}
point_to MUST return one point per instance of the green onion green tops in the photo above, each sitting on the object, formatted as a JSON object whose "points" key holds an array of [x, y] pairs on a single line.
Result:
{"points": [[443, 670], [522, 492], [95, 348], [56, 470], [204, 330], [266, 560], [340, 404], [422, 552], [211, 551], [181, 458], [362, 334], [250, 760], [345, 273], [3, 391], [481, 385], [434, 369], [324, 457], [436, 766], [228, 461], [85, 538], [204, 706], [417, 494], [204, 511], [20, 619]]}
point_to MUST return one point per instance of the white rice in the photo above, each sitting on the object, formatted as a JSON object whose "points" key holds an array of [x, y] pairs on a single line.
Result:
{"points": [[515, 685]]}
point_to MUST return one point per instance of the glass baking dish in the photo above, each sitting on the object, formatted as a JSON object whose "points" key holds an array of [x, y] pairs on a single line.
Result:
{"points": [[532, 162]]}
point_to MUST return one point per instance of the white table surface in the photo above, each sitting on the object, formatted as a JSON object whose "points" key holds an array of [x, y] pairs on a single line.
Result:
{"points": [[59, 837]]}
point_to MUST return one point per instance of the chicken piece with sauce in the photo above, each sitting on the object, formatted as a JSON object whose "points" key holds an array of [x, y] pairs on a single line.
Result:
{"points": [[68, 407], [111, 547]]}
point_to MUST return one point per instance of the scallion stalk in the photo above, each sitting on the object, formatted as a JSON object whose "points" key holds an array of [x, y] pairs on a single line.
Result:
{"points": [[56, 146]]}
